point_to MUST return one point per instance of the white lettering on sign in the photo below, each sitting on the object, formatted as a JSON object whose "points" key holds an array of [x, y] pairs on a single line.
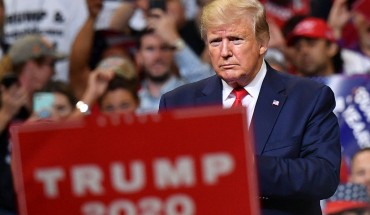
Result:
{"points": [[93, 208], [216, 165], [150, 205], [122, 207], [354, 120], [177, 204], [120, 181], [362, 97], [179, 201], [87, 179], [181, 174], [49, 177]]}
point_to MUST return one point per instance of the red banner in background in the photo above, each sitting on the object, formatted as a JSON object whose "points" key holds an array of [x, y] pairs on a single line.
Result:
{"points": [[179, 163]]}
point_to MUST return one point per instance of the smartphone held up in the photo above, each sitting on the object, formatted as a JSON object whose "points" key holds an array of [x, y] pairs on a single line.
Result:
{"points": [[43, 104]]}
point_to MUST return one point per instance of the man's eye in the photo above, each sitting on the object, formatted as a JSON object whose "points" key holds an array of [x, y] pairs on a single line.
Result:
{"points": [[215, 43], [150, 48], [237, 41]]}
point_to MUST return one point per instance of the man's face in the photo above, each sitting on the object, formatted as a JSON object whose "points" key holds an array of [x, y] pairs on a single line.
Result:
{"points": [[312, 56], [37, 73], [45, 72], [154, 56], [360, 169], [235, 53]]}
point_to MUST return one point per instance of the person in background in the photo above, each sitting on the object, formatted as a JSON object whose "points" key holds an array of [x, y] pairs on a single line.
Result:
{"points": [[81, 49], [161, 30], [155, 59], [62, 104], [349, 199], [316, 52], [119, 97], [111, 88], [361, 23], [131, 17], [360, 168], [297, 144], [170, 27], [351, 26], [58, 21], [27, 68], [121, 94]]}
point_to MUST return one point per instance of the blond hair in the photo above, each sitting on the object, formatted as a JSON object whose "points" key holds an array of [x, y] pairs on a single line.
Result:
{"points": [[222, 12]]}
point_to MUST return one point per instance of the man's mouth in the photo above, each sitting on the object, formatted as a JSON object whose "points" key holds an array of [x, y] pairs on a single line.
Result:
{"points": [[227, 66]]}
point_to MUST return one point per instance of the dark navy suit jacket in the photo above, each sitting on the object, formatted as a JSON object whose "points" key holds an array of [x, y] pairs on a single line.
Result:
{"points": [[297, 141]]}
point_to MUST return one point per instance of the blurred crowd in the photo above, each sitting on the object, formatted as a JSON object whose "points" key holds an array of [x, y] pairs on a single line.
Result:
{"points": [[63, 59]]}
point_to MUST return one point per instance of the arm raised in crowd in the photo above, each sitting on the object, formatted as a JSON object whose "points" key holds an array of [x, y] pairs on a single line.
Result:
{"points": [[122, 15], [338, 17], [81, 49], [97, 84]]}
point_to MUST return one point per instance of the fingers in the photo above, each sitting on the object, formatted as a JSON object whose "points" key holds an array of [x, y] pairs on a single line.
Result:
{"points": [[104, 74], [13, 99], [94, 7]]}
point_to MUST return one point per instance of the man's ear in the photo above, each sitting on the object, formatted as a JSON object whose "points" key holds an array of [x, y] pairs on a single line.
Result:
{"points": [[264, 45], [333, 49], [263, 50]]}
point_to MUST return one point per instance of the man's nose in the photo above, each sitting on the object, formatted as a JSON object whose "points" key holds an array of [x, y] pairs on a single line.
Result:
{"points": [[225, 49], [303, 47]]}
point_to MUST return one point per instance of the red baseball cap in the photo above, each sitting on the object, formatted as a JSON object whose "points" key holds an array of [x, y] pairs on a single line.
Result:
{"points": [[312, 28]]}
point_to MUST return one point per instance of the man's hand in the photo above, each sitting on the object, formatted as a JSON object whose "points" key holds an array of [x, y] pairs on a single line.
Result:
{"points": [[164, 26], [97, 84], [94, 7], [12, 99], [338, 17]]}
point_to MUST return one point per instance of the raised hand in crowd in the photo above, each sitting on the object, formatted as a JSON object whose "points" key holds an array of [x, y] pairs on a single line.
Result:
{"points": [[94, 7], [122, 15], [338, 17], [81, 49], [12, 99], [164, 24], [96, 85]]}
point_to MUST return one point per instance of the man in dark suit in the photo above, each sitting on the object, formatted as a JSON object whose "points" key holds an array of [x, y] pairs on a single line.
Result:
{"points": [[295, 130]]}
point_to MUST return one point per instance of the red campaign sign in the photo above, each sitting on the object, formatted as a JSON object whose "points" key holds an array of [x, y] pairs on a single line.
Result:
{"points": [[178, 163]]}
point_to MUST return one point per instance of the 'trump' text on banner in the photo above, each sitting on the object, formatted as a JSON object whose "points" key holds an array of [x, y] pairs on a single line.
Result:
{"points": [[180, 163]]}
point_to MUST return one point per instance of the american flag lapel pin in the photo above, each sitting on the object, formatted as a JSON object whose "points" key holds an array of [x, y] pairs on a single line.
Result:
{"points": [[275, 102]]}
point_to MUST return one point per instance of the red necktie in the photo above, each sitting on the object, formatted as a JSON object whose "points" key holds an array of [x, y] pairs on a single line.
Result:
{"points": [[239, 93]]}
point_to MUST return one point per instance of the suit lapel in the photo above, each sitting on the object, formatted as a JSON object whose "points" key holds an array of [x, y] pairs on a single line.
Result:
{"points": [[211, 93], [265, 112], [269, 104]]}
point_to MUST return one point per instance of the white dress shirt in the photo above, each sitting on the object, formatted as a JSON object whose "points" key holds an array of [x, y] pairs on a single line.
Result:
{"points": [[253, 89]]}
